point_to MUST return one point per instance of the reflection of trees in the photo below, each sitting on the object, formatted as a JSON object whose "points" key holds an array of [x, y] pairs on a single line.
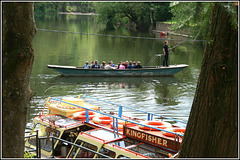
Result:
{"points": [[165, 88], [111, 82], [165, 91]]}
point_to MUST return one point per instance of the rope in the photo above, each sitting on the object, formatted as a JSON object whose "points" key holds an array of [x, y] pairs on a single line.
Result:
{"points": [[46, 30]]}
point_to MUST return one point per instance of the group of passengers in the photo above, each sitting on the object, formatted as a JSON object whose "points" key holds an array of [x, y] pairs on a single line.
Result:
{"points": [[110, 65]]}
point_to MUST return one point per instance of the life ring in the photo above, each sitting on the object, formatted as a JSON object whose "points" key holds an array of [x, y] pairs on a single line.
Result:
{"points": [[156, 124], [176, 130], [102, 120], [81, 115]]}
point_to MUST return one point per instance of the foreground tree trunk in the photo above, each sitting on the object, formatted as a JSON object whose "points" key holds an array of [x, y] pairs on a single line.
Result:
{"points": [[212, 129], [18, 32]]}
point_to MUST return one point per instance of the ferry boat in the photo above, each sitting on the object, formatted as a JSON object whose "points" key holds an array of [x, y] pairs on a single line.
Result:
{"points": [[72, 128], [145, 71]]}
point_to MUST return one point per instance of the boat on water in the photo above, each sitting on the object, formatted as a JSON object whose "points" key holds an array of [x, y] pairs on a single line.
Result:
{"points": [[71, 128], [145, 71], [141, 72]]}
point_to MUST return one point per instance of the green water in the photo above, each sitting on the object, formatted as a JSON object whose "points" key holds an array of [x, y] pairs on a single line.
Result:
{"points": [[168, 96]]}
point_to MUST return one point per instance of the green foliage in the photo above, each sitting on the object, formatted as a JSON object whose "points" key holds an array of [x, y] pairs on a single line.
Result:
{"points": [[49, 7], [29, 155], [192, 14], [71, 8], [107, 13], [233, 13], [143, 15], [197, 16], [54, 7], [163, 12]]}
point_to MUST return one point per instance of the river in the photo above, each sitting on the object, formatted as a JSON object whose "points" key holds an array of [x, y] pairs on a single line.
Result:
{"points": [[168, 96]]}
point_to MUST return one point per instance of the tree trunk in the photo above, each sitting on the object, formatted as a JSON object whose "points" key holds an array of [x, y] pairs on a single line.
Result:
{"points": [[18, 32], [212, 129]]}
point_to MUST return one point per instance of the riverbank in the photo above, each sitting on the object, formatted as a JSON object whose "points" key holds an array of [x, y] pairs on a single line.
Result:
{"points": [[77, 13], [165, 29]]}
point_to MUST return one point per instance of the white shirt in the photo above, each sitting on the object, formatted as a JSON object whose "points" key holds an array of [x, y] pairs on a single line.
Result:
{"points": [[109, 67]]}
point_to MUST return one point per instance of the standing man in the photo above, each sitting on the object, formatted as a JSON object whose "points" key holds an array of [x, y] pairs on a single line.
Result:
{"points": [[165, 51]]}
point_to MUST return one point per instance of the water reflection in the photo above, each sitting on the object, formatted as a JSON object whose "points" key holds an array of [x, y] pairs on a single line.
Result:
{"points": [[162, 88]]}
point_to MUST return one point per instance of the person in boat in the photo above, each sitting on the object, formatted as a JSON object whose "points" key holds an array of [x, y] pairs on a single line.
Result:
{"points": [[130, 66], [113, 65], [103, 65], [122, 65], [138, 65], [86, 65], [92, 63], [96, 65], [134, 63], [119, 63], [165, 51], [126, 65], [109, 66]]}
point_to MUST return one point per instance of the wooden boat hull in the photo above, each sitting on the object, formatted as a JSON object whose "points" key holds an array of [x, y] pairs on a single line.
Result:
{"points": [[143, 72]]}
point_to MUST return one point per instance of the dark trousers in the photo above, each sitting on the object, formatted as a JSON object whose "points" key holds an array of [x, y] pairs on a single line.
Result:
{"points": [[165, 60]]}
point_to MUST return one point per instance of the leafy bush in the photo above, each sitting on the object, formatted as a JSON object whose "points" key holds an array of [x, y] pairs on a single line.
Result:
{"points": [[29, 155]]}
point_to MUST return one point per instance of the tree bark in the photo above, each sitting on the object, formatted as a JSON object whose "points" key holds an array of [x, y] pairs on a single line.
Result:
{"points": [[18, 32], [212, 129]]}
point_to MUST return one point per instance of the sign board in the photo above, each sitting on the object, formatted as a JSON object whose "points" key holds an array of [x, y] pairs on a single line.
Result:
{"points": [[151, 138]]}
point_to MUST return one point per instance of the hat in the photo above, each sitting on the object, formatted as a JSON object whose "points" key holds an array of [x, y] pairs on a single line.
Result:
{"points": [[86, 61]]}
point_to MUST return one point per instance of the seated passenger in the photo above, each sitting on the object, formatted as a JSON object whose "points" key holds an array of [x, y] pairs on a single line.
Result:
{"points": [[92, 64], [138, 65], [134, 63], [86, 65], [119, 63], [130, 66], [126, 64], [103, 65], [109, 66], [96, 65], [122, 66], [113, 65]]}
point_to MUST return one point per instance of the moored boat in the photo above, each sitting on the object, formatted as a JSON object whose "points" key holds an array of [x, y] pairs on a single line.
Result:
{"points": [[163, 33], [97, 134]]}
